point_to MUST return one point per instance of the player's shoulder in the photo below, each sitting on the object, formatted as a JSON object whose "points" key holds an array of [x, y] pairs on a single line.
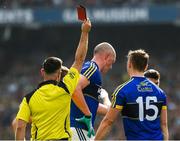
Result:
{"points": [[160, 91], [29, 95], [127, 84], [88, 64], [89, 69], [157, 90], [124, 86]]}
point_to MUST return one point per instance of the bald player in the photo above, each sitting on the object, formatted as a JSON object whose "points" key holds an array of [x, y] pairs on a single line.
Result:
{"points": [[89, 86]]}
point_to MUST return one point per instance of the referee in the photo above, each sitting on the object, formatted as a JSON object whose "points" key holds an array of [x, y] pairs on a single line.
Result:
{"points": [[64, 71], [49, 104]]}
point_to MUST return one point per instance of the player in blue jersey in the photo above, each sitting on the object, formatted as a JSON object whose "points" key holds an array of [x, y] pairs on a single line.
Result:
{"points": [[90, 86], [153, 75], [141, 102]]}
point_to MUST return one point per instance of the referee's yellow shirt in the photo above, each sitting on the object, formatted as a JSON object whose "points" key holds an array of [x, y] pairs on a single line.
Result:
{"points": [[49, 107]]}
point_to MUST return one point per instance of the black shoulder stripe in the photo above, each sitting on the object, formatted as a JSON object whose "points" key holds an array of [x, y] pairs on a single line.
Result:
{"points": [[29, 95], [62, 85]]}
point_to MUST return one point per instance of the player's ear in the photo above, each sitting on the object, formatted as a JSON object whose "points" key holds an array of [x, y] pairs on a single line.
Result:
{"points": [[42, 71], [59, 75], [129, 64], [146, 67], [107, 57]]}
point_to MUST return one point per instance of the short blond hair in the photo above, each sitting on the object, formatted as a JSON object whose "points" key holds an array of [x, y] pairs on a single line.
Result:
{"points": [[139, 59], [104, 47]]}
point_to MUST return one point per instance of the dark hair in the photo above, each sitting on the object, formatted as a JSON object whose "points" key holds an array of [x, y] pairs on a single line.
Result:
{"points": [[52, 64], [139, 59], [151, 73]]}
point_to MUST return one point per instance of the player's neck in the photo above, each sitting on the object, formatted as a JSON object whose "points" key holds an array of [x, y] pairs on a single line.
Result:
{"points": [[50, 77], [98, 62], [136, 73]]}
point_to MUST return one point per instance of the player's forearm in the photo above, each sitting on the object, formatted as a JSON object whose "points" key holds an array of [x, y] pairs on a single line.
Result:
{"points": [[14, 124], [164, 124], [80, 102], [165, 132], [102, 109], [81, 51], [107, 102], [103, 129], [20, 134], [166, 136], [82, 48]]}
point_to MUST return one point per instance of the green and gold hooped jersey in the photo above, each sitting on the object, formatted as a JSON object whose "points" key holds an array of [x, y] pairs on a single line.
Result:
{"points": [[49, 108]]}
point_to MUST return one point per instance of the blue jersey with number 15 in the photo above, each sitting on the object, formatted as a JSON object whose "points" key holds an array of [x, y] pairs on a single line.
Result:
{"points": [[141, 102]]}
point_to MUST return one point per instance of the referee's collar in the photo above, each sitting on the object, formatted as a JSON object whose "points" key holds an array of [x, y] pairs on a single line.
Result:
{"points": [[47, 82]]}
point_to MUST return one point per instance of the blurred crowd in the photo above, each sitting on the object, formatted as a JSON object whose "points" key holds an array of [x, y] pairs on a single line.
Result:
{"points": [[70, 3]]}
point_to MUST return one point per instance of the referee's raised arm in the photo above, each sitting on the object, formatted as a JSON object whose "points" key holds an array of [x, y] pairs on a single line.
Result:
{"points": [[81, 50]]}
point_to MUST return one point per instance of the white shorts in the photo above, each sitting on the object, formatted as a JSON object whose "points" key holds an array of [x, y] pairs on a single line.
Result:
{"points": [[79, 134]]}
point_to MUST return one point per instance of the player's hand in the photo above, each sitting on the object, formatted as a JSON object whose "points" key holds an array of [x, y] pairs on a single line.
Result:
{"points": [[86, 26], [88, 121]]}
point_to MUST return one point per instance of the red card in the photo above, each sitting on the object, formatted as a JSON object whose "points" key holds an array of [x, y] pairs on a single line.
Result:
{"points": [[81, 12]]}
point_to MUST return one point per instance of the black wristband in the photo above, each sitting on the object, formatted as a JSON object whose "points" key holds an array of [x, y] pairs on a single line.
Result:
{"points": [[88, 116]]}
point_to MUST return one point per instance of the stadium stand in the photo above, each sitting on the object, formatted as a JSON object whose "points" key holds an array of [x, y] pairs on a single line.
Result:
{"points": [[70, 3]]}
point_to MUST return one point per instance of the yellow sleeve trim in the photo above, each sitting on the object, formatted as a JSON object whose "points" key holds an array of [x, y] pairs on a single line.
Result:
{"points": [[119, 107], [164, 107], [90, 71]]}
